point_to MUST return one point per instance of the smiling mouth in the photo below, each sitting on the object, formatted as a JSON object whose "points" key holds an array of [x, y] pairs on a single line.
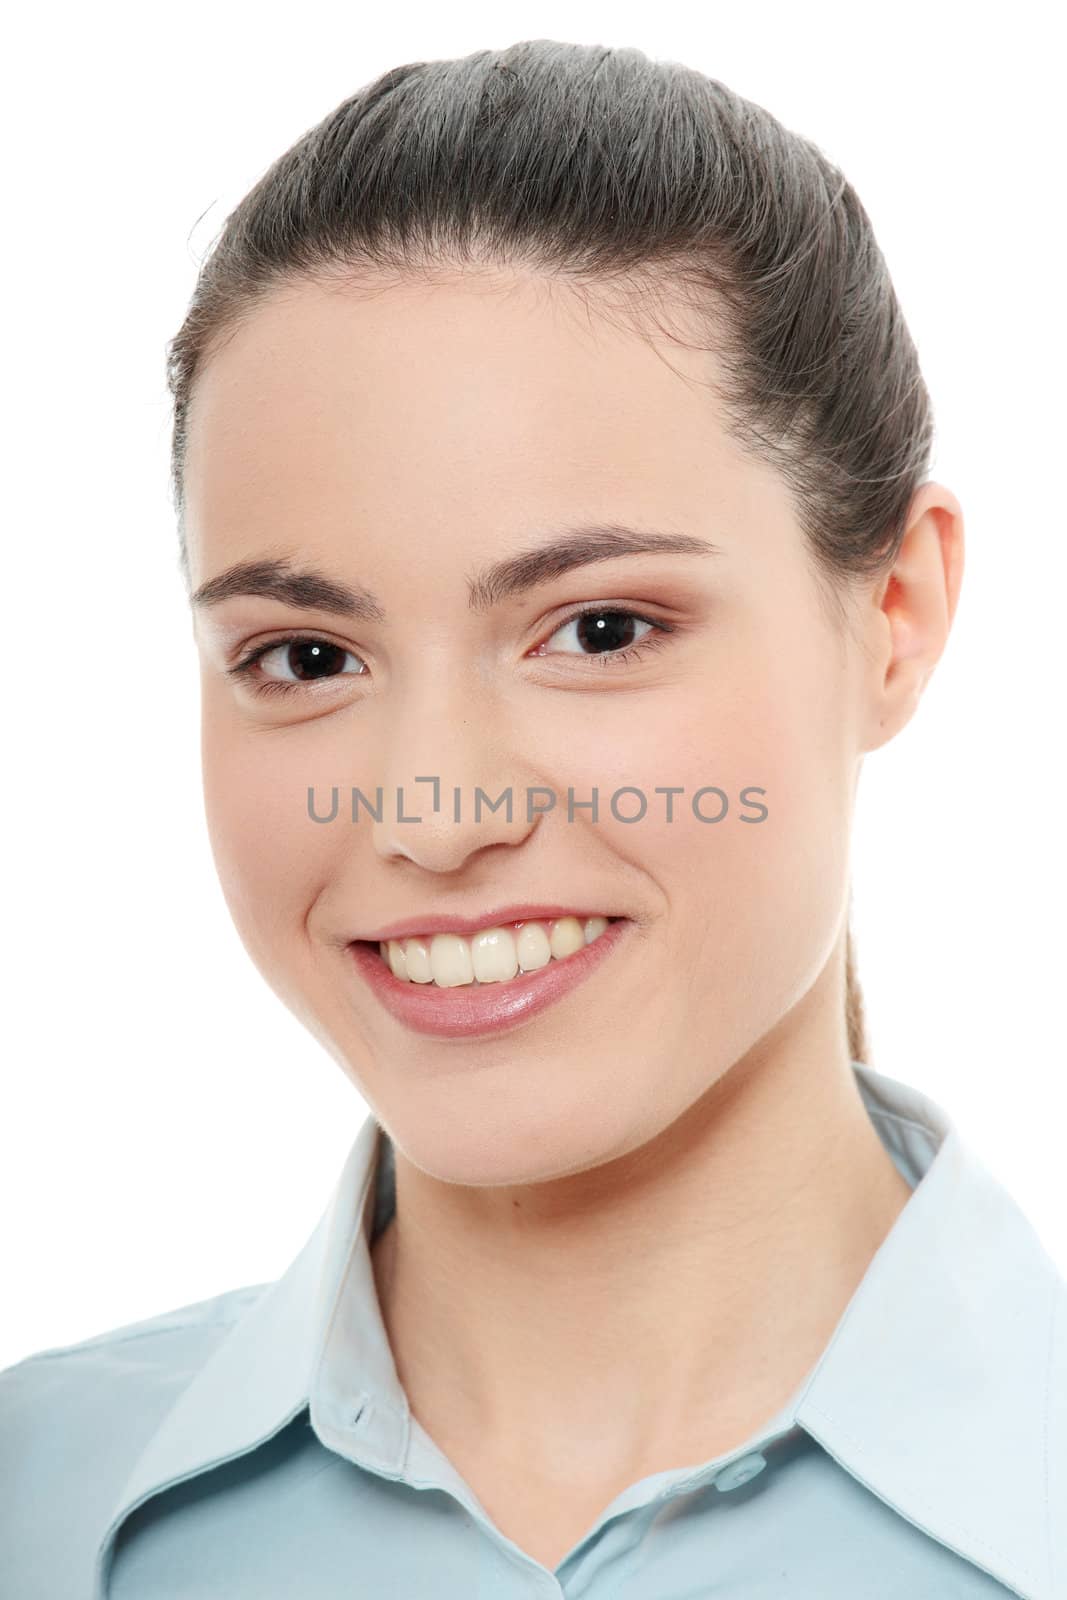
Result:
{"points": [[489, 958]]}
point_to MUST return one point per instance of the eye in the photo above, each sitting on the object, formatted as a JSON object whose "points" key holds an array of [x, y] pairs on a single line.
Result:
{"points": [[285, 665], [605, 635]]}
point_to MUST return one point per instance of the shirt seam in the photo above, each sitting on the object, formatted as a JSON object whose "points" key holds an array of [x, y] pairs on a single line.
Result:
{"points": [[961, 1530], [364, 1398], [105, 1343], [1059, 1290]]}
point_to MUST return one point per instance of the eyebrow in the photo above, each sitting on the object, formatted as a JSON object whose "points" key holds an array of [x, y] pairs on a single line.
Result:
{"points": [[514, 575]]}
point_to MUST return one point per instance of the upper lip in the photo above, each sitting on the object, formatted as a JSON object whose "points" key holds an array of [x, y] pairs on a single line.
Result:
{"points": [[410, 926]]}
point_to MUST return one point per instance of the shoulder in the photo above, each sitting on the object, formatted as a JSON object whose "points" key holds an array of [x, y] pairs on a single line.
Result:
{"points": [[148, 1359], [73, 1420], [1057, 1441]]}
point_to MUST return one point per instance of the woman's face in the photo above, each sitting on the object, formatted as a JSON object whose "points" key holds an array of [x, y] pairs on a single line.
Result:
{"points": [[400, 444]]}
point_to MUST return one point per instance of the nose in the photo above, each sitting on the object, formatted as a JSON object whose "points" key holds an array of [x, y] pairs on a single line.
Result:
{"points": [[453, 782]]}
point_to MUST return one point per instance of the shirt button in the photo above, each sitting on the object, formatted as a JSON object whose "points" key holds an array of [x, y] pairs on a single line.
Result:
{"points": [[739, 1472]]}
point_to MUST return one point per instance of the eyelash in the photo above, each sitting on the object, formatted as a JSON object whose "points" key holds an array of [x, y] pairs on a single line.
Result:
{"points": [[245, 669]]}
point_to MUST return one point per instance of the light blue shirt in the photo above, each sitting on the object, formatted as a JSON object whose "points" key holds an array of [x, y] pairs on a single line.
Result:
{"points": [[259, 1446]]}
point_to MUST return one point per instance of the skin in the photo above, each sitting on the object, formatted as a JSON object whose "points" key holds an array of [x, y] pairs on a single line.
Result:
{"points": [[666, 1186]]}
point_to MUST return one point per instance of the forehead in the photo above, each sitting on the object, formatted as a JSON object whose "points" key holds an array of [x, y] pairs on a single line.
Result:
{"points": [[427, 400]]}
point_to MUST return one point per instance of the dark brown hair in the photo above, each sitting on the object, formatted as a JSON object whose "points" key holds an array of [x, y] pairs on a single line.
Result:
{"points": [[601, 167]]}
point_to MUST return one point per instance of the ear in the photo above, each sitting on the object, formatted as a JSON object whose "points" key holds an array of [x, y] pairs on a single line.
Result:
{"points": [[911, 610]]}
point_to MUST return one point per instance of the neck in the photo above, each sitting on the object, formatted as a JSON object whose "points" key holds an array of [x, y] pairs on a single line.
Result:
{"points": [[667, 1306]]}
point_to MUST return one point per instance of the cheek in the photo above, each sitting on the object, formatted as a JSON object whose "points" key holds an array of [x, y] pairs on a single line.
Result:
{"points": [[751, 905], [783, 881], [269, 855]]}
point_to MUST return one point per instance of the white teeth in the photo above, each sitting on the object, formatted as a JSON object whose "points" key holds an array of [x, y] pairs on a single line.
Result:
{"points": [[533, 946], [417, 960], [450, 960], [492, 955], [566, 937]]}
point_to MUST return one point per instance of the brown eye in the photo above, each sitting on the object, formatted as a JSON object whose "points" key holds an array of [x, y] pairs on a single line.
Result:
{"points": [[303, 660], [607, 635], [597, 631], [295, 661]]}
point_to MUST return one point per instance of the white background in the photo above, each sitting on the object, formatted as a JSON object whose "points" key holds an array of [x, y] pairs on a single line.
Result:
{"points": [[167, 1129]]}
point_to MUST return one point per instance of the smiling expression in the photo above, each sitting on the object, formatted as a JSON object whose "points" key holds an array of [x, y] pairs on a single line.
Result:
{"points": [[395, 455]]}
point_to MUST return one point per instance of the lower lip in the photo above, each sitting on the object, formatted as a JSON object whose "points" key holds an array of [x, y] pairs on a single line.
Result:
{"points": [[470, 1009]]}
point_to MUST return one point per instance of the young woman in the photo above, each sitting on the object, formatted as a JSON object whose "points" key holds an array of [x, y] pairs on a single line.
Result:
{"points": [[550, 465]]}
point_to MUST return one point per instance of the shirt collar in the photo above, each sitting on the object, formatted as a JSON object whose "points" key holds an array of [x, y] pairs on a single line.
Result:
{"points": [[944, 1379], [942, 1388]]}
